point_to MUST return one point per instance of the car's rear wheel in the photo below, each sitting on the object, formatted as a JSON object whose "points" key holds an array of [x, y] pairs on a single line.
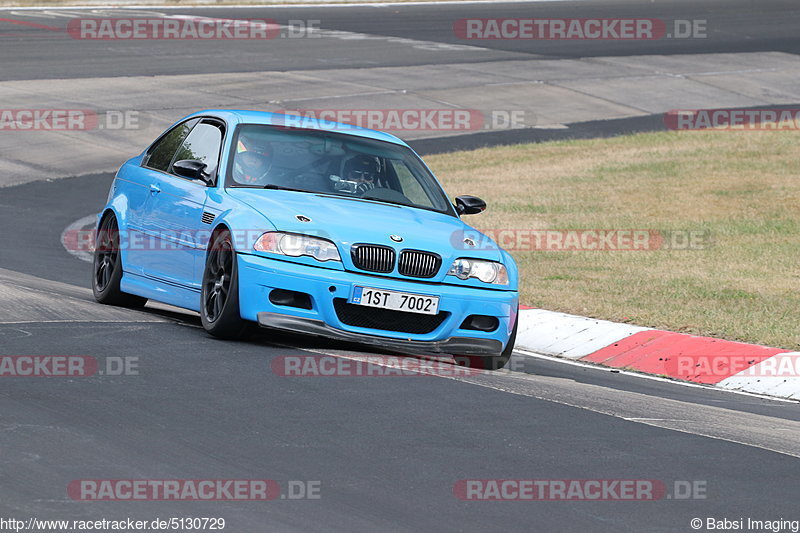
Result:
{"points": [[491, 362], [107, 268], [219, 298]]}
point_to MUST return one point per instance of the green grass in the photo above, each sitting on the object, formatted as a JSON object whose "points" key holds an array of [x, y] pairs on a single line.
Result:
{"points": [[741, 189]]}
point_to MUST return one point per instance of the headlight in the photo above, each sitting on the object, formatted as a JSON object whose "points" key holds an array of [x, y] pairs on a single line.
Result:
{"points": [[295, 245], [486, 271]]}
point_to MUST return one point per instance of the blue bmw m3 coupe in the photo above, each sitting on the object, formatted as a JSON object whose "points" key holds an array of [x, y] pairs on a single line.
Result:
{"points": [[310, 227]]}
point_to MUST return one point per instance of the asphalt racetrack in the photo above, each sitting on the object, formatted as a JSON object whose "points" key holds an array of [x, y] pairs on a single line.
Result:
{"points": [[350, 454]]}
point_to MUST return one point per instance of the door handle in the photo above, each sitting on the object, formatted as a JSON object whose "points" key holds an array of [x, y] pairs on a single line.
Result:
{"points": [[154, 189]]}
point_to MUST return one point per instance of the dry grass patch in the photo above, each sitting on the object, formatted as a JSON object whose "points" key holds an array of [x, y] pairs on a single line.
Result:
{"points": [[743, 188]]}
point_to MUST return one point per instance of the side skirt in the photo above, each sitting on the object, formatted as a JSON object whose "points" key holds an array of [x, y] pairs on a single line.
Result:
{"points": [[161, 291]]}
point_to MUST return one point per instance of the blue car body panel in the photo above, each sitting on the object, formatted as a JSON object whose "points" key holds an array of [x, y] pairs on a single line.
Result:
{"points": [[163, 221], [260, 275]]}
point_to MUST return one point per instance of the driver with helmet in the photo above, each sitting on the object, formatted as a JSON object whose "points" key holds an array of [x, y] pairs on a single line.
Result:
{"points": [[252, 162], [364, 171]]}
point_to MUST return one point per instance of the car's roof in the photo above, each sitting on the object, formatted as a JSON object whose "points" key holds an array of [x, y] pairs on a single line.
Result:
{"points": [[240, 116]]}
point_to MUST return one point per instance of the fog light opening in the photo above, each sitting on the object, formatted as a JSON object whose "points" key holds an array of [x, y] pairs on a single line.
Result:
{"points": [[286, 298], [480, 323]]}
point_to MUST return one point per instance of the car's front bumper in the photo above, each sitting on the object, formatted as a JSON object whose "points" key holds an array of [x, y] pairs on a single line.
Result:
{"points": [[310, 326], [258, 276]]}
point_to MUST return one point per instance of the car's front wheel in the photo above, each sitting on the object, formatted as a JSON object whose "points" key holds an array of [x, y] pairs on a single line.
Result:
{"points": [[107, 268], [491, 362], [219, 298]]}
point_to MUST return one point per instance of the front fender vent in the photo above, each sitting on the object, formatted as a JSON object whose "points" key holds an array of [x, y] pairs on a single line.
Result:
{"points": [[208, 218]]}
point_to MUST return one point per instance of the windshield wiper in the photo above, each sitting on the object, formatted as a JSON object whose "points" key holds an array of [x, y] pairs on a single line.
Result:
{"points": [[282, 188], [374, 199]]}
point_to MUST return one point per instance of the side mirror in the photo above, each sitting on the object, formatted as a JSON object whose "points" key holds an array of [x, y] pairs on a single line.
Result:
{"points": [[189, 168], [469, 205]]}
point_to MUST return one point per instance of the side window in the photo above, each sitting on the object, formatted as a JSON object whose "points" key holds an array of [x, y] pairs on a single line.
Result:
{"points": [[202, 144], [411, 188], [160, 155]]}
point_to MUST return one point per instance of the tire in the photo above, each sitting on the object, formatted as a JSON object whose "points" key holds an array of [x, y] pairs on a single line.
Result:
{"points": [[107, 268], [491, 362], [219, 296]]}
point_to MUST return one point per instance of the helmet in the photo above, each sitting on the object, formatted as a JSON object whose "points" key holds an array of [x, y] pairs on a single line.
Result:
{"points": [[252, 163], [361, 169]]}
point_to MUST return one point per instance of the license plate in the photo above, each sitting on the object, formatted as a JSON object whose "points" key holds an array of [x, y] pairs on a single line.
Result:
{"points": [[398, 301]]}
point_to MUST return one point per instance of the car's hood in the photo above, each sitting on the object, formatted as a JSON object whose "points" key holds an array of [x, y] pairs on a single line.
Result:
{"points": [[347, 221]]}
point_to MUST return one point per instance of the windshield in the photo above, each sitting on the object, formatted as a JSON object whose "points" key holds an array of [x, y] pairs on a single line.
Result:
{"points": [[271, 157]]}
